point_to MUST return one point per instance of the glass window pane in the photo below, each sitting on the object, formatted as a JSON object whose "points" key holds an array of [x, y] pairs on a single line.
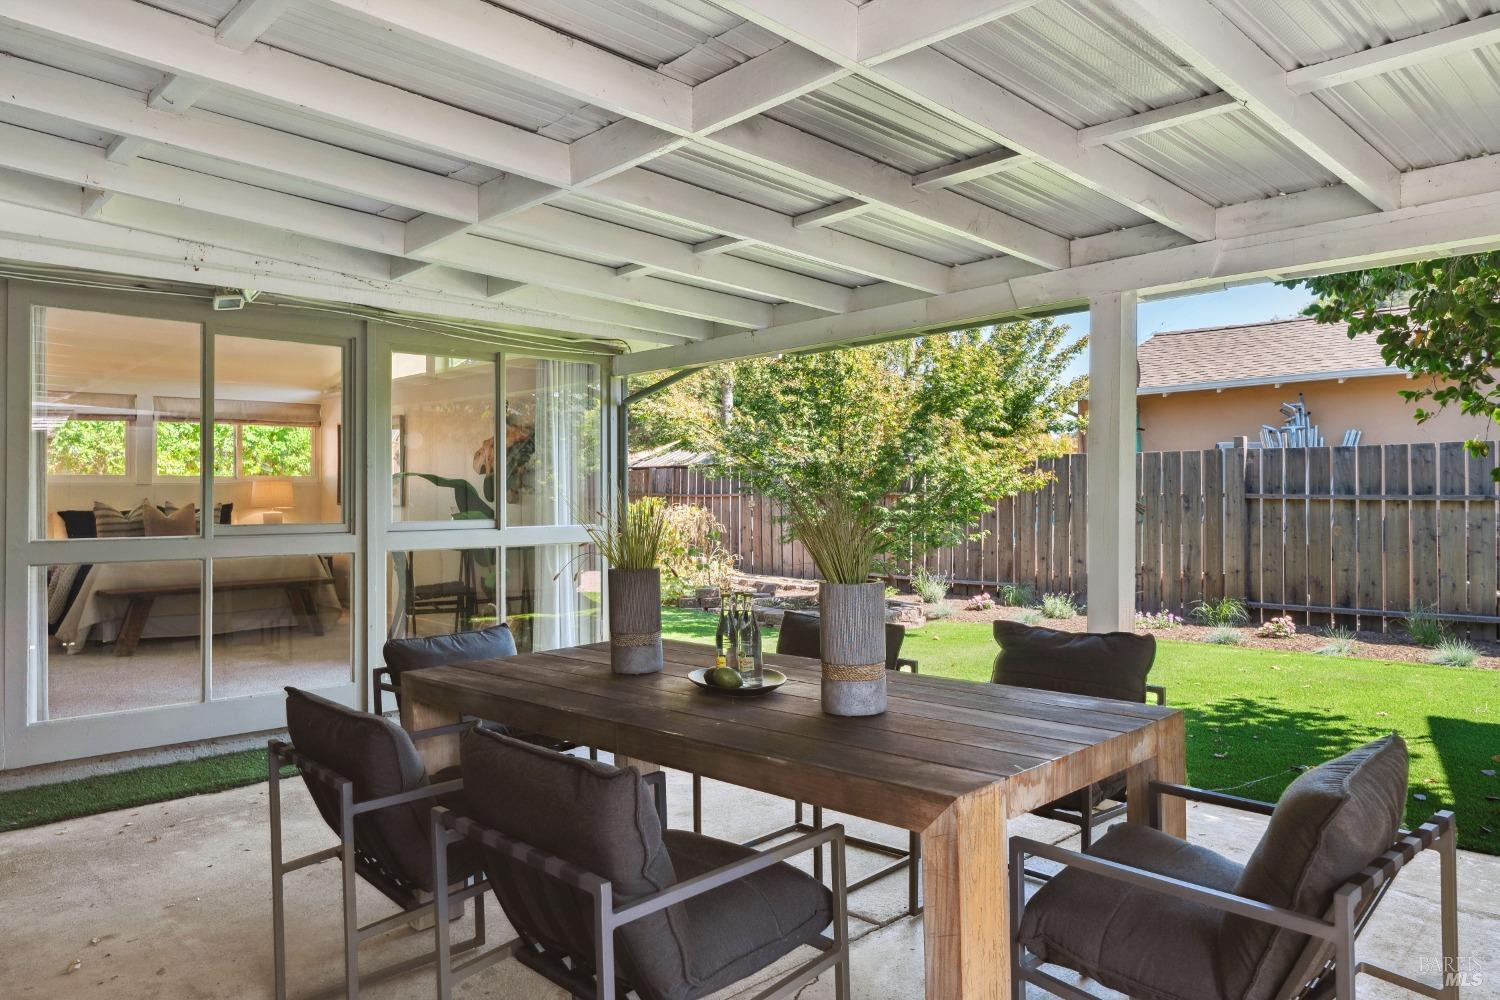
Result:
{"points": [[442, 438], [81, 447], [118, 637], [552, 427], [279, 404], [552, 596], [281, 620], [178, 449], [99, 384], [440, 591]]}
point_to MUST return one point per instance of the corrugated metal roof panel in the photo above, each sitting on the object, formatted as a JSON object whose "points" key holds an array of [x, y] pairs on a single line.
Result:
{"points": [[298, 122], [360, 47], [743, 180], [791, 262], [62, 54], [1228, 159], [1040, 195], [1303, 32], [1437, 112], [635, 220], [870, 119], [1078, 59], [902, 234], [650, 32]]}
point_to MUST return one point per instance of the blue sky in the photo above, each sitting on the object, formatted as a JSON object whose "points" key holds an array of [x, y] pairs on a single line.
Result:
{"points": [[1245, 304]]}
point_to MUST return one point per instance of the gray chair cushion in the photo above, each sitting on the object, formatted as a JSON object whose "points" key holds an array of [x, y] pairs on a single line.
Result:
{"points": [[493, 643], [1328, 825], [740, 928], [1101, 665], [380, 759], [1135, 940], [603, 819], [801, 634]]}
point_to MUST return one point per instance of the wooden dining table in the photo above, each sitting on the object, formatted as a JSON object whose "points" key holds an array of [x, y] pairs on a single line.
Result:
{"points": [[952, 760]]}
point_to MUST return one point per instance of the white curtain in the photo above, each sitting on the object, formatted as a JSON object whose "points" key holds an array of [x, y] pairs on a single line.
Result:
{"points": [[563, 392]]}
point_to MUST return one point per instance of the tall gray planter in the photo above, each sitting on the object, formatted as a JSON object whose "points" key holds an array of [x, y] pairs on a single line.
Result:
{"points": [[635, 621], [853, 647]]}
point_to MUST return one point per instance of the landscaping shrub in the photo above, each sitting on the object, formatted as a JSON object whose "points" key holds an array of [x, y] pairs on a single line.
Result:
{"points": [[1017, 595], [981, 601], [1031, 618], [1280, 627], [692, 553], [1340, 643], [1058, 606], [930, 587], [1425, 628], [938, 610], [1157, 621], [1225, 635], [1452, 652], [1224, 611]]}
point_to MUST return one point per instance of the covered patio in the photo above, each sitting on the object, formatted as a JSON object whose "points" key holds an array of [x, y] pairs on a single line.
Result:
{"points": [[407, 256]]}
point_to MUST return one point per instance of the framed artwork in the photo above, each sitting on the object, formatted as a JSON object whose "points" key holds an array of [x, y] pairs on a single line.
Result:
{"points": [[398, 461]]}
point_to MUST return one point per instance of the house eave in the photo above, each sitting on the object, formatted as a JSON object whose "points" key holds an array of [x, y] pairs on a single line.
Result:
{"points": [[1262, 380]]}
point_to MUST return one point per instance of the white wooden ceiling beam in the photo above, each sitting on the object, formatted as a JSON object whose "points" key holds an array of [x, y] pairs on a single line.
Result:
{"points": [[668, 198], [524, 48], [720, 244], [890, 28], [129, 222], [1463, 225], [1199, 33], [178, 45], [822, 162], [828, 215], [247, 21], [1158, 119], [119, 110], [1392, 56], [988, 164], [94, 200], [646, 252], [956, 92], [82, 164], [828, 27], [760, 84]]}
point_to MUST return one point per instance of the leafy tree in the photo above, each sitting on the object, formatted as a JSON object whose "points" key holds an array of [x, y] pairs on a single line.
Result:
{"points": [[910, 442], [682, 413], [87, 448], [1449, 329], [267, 450], [177, 449]]}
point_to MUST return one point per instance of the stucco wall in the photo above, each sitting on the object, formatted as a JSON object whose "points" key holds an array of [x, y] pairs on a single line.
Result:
{"points": [[1187, 420]]}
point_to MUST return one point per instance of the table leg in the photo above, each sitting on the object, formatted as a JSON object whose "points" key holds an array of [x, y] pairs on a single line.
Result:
{"points": [[1168, 764], [643, 766], [134, 623], [966, 915], [437, 752]]}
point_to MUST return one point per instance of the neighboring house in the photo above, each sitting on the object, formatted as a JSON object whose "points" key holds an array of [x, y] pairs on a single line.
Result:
{"points": [[1199, 388]]}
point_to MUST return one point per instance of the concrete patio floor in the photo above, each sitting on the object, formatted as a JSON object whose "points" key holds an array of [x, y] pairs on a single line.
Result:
{"points": [[172, 902]]}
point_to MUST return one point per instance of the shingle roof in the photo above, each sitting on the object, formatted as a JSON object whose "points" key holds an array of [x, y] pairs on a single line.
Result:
{"points": [[1281, 350]]}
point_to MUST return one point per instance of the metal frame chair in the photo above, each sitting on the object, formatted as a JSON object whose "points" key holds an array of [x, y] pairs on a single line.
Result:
{"points": [[567, 971], [1327, 967], [279, 753]]}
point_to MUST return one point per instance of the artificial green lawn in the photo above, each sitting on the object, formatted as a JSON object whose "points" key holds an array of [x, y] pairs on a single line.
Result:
{"points": [[127, 789], [1255, 716]]}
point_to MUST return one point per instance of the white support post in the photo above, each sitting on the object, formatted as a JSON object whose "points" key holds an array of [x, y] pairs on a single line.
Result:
{"points": [[1111, 463]]}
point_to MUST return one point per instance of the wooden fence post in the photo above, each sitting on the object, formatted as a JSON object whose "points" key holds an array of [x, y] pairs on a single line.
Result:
{"points": [[1236, 537]]}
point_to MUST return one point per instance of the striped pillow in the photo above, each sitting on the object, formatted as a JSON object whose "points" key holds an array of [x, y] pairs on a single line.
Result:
{"points": [[112, 523]]}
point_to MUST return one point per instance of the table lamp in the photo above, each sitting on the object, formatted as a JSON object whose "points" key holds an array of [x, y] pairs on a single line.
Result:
{"points": [[273, 496]]}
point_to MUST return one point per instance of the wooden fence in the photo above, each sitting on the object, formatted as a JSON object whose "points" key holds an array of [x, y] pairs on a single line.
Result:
{"points": [[1349, 536]]}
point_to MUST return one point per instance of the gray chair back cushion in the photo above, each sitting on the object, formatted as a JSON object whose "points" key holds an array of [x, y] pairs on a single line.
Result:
{"points": [[380, 759], [801, 634], [599, 817], [493, 643], [1101, 665], [1328, 825]]}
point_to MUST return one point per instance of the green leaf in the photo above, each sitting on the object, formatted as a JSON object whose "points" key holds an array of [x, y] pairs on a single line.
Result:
{"points": [[470, 504]]}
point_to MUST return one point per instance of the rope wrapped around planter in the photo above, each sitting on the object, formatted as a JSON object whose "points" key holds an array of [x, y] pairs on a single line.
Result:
{"points": [[853, 671], [632, 639]]}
